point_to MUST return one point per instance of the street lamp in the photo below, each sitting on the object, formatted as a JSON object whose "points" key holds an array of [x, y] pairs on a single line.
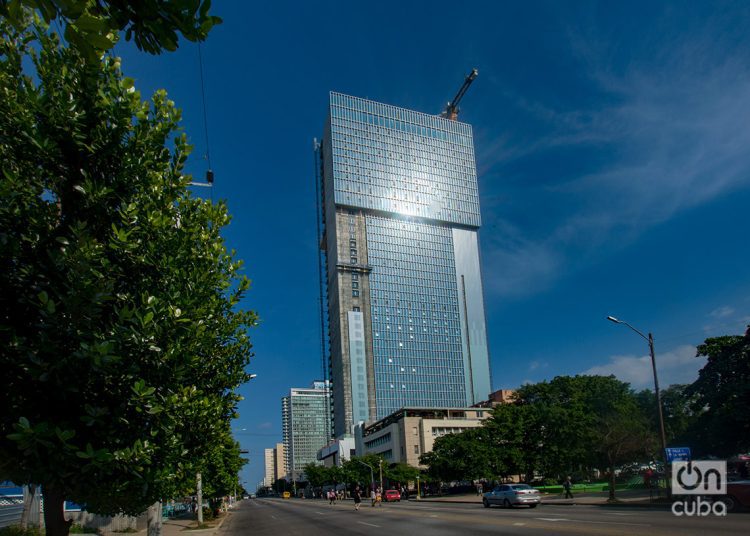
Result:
{"points": [[372, 474], [650, 340]]}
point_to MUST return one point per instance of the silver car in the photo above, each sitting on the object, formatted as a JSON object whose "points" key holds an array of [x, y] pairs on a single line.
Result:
{"points": [[509, 495]]}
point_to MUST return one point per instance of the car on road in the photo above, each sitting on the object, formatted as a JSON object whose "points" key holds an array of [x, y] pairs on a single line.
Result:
{"points": [[392, 495], [738, 495], [509, 495]]}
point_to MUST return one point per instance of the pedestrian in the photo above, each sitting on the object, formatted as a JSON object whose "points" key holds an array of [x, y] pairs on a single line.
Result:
{"points": [[567, 485], [379, 497], [372, 498], [357, 498], [331, 497]]}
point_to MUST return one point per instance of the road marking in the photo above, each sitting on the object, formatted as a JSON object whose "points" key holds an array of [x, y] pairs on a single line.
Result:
{"points": [[321, 513], [274, 517], [368, 524], [519, 524], [433, 515], [593, 522]]}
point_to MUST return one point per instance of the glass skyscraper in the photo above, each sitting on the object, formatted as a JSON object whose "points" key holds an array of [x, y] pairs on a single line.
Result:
{"points": [[305, 426], [399, 219]]}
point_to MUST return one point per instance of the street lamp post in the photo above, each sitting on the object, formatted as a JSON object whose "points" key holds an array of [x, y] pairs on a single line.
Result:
{"points": [[663, 435], [380, 463], [372, 473]]}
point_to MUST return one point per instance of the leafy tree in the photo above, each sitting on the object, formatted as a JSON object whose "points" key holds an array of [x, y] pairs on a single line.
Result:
{"points": [[462, 456], [677, 408], [401, 473], [358, 469], [220, 467], [622, 430], [722, 395], [316, 474], [92, 26], [551, 428], [121, 341]]}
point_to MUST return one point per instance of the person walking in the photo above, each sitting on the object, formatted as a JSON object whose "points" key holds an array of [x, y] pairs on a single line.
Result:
{"points": [[331, 497], [357, 496], [567, 485]]}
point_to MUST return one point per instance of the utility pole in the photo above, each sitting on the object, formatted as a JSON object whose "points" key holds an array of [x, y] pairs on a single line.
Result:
{"points": [[200, 500], [381, 475]]}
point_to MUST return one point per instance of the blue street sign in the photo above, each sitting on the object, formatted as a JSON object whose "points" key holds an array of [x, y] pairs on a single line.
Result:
{"points": [[678, 454]]}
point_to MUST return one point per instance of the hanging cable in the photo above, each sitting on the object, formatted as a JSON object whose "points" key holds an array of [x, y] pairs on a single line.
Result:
{"points": [[209, 172]]}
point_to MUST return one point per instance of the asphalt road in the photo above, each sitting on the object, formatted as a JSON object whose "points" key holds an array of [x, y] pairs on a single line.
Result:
{"points": [[310, 517]]}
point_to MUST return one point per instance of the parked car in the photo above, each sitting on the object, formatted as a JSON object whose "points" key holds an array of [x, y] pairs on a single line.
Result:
{"points": [[738, 495], [392, 495], [510, 495]]}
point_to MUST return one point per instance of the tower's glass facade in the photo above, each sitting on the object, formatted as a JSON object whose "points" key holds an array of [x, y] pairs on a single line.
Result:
{"points": [[401, 212]]}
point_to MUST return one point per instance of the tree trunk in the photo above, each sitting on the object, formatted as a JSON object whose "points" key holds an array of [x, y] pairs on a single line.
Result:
{"points": [[153, 519], [54, 517], [612, 484], [28, 501]]}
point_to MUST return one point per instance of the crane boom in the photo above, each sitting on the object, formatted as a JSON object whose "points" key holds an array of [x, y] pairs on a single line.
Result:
{"points": [[451, 111]]}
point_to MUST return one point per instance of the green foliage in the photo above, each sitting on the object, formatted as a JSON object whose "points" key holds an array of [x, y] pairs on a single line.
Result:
{"points": [[93, 26], [679, 410], [121, 336], [75, 528], [16, 530], [401, 473], [220, 465], [550, 429], [315, 474], [722, 396], [358, 469]]}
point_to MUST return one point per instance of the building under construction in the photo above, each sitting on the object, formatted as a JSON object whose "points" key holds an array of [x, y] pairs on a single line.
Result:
{"points": [[400, 275]]}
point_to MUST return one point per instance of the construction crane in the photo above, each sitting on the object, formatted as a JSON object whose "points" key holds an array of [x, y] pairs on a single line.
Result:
{"points": [[451, 110]]}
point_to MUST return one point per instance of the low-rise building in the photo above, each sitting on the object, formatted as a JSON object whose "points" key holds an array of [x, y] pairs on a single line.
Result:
{"points": [[337, 451], [403, 436]]}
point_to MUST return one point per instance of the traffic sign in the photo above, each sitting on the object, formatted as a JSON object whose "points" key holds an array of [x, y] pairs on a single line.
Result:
{"points": [[678, 454]]}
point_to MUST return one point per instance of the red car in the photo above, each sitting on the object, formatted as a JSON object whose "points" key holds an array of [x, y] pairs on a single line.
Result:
{"points": [[738, 495], [392, 495]]}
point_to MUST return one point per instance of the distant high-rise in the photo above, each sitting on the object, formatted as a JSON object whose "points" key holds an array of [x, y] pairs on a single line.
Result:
{"points": [[399, 219], [270, 469], [305, 426]]}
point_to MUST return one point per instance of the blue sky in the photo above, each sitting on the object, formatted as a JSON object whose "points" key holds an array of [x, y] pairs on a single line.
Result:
{"points": [[611, 143]]}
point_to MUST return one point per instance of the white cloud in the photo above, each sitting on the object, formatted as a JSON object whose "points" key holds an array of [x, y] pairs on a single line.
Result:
{"points": [[679, 365], [676, 127], [722, 312]]}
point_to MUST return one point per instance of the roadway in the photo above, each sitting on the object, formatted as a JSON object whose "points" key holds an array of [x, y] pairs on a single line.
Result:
{"points": [[310, 517]]}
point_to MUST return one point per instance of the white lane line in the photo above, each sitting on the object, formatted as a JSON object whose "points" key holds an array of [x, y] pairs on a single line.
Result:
{"points": [[593, 522], [321, 513], [368, 524], [274, 517], [433, 515], [519, 524]]}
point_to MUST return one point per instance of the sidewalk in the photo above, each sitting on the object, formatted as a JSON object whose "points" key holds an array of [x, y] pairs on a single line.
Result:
{"points": [[624, 498], [178, 526]]}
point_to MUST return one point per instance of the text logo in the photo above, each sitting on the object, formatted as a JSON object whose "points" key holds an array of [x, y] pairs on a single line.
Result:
{"points": [[701, 477]]}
